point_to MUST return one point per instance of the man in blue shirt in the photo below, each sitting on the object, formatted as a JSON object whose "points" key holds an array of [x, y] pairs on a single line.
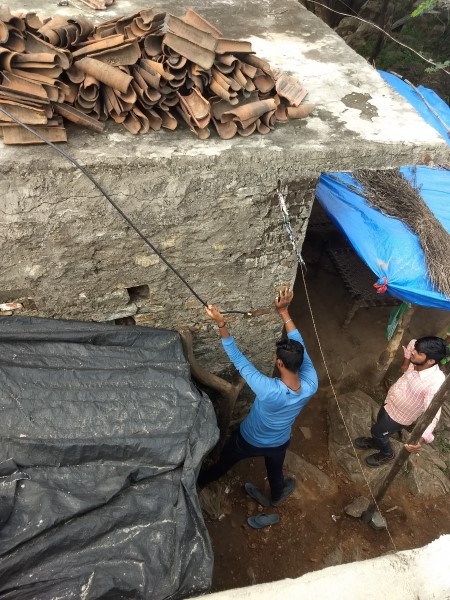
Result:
{"points": [[266, 431]]}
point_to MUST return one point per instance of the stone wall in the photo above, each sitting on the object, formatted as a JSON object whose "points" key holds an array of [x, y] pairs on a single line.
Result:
{"points": [[66, 253]]}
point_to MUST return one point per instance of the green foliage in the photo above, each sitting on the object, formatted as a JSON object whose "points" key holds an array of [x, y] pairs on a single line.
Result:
{"points": [[438, 66], [390, 57], [429, 35], [423, 7]]}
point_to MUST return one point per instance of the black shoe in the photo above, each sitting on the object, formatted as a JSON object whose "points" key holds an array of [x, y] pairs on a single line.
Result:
{"points": [[288, 488], [378, 459], [365, 443]]}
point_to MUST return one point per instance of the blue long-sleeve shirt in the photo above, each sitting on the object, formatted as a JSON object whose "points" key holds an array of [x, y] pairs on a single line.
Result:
{"points": [[276, 406]]}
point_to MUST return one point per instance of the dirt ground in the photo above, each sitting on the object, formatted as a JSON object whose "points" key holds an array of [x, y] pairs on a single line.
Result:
{"points": [[314, 532]]}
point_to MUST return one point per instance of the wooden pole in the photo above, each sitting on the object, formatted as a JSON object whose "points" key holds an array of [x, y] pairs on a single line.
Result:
{"points": [[227, 391], [388, 355], [422, 423]]}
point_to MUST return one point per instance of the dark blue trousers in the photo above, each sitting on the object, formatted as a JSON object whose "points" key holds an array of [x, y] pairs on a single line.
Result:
{"points": [[237, 449], [382, 429]]}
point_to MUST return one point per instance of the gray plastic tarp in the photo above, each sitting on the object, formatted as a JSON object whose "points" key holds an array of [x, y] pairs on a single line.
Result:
{"points": [[102, 434]]}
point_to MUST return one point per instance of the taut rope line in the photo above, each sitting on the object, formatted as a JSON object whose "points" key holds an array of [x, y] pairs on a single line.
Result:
{"points": [[284, 210], [118, 209]]}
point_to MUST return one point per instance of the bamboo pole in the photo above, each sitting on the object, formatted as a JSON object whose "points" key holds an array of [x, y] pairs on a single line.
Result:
{"points": [[422, 423]]}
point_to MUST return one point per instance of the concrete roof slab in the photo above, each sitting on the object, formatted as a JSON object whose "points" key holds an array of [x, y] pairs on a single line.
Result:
{"points": [[359, 121]]}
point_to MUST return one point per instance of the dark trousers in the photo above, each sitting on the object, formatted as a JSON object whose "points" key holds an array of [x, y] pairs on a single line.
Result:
{"points": [[382, 429], [237, 449]]}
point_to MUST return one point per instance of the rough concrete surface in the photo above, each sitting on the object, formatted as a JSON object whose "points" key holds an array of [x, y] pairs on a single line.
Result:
{"points": [[359, 120], [207, 205], [408, 575]]}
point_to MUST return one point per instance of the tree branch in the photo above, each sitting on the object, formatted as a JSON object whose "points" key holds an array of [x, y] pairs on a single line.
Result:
{"points": [[228, 392]]}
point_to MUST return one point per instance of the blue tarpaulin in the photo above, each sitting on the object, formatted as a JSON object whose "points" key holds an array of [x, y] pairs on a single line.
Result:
{"points": [[389, 248], [425, 101]]}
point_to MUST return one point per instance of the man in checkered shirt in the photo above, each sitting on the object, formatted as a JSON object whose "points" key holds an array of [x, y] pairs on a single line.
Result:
{"points": [[407, 399]]}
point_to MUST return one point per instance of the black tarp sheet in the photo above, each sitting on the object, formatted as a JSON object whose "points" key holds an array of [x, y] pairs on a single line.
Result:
{"points": [[101, 437]]}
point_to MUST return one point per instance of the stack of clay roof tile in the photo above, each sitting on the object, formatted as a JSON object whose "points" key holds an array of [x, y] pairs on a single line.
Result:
{"points": [[148, 71]]}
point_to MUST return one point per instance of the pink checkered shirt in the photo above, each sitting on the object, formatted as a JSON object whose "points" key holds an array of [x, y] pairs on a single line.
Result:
{"points": [[411, 395]]}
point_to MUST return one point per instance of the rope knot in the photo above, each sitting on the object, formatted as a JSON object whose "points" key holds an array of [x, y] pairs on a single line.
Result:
{"points": [[381, 285]]}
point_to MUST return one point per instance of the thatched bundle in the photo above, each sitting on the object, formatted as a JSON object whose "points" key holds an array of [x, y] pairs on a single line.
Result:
{"points": [[394, 196]]}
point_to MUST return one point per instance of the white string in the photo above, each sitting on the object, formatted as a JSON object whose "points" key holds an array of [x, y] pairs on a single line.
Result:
{"points": [[430, 62], [284, 211], [288, 227], [425, 101]]}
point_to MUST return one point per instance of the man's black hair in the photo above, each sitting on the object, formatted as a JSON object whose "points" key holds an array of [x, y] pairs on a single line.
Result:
{"points": [[291, 353], [433, 347]]}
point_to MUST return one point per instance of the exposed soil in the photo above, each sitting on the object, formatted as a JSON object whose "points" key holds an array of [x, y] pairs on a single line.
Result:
{"points": [[314, 532]]}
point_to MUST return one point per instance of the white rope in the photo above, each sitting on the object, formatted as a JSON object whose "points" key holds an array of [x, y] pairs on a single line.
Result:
{"points": [[430, 62], [287, 224], [425, 101], [284, 210]]}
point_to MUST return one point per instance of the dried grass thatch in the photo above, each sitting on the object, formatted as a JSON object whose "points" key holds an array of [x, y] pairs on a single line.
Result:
{"points": [[394, 196]]}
